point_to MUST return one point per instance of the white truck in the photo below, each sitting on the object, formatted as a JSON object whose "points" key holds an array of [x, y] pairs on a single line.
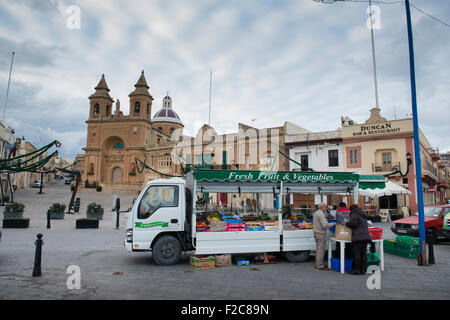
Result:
{"points": [[163, 217]]}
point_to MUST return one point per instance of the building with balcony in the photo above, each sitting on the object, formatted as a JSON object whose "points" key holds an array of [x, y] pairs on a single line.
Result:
{"points": [[380, 146]]}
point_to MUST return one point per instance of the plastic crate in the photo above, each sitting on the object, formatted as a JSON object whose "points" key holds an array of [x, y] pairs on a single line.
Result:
{"points": [[407, 240], [407, 248], [233, 220], [229, 216], [236, 226], [376, 233], [336, 264], [390, 246]]}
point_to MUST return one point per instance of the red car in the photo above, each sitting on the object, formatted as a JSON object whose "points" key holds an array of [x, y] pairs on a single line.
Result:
{"points": [[434, 220]]}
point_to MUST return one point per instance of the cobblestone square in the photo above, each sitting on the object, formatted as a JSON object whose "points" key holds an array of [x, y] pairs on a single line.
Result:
{"points": [[108, 271]]}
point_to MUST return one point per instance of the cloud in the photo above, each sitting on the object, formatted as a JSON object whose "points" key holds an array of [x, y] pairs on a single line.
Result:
{"points": [[272, 61]]}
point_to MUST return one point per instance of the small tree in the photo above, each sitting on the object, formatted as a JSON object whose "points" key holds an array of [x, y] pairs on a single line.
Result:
{"points": [[14, 207], [94, 208], [57, 207]]}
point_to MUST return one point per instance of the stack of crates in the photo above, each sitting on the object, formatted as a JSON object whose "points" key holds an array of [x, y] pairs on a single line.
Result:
{"points": [[407, 247], [403, 246]]}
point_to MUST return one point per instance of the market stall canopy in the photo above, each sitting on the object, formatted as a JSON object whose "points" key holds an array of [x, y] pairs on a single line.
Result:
{"points": [[241, 181], [378, 186]]}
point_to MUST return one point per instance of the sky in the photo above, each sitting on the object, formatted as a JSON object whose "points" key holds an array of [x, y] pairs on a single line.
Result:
{"points": [[272, 61]]}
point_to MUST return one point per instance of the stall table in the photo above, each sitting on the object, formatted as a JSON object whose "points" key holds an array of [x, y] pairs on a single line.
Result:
{"points": [[379, 246]]}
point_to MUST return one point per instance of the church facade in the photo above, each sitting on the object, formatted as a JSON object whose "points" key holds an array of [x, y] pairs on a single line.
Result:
{"points": [[115, 140]]}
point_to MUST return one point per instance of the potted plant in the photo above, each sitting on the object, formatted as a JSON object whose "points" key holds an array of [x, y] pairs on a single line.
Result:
{"points": [[57, 211], [99, 188], [13, 210], [94, 211]]}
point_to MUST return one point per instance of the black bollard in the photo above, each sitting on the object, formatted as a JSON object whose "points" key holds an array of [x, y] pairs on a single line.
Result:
{"points": [[117, 207], [48, 219], [37, 258], [430, 247]]}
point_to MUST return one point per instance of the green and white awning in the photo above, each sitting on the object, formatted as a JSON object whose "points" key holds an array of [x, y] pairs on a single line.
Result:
{"points": [[372, 182], [241, 181], [274, 176]]}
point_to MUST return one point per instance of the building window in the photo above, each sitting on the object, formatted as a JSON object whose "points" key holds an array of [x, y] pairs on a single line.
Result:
{"points": [[304, 160], [386, 158], [165, 162], [137, 107], [96, 108], [118, 146], [108, 110], [353, 156], [333, 158]]}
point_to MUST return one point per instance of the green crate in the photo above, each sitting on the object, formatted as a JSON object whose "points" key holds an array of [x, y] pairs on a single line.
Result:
{"points": [[372, 257], [389, 246], [407, 240], [407, 249]]}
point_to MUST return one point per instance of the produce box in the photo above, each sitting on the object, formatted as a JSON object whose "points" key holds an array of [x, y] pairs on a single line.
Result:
{"points": [[203, 262], [229, 216], [218, 226], [269, 223], [223, 260], [243, 262], [343, 233], [265, 259], [203, 229], [233, 220], [270, 228], [236, 226], [254, 226]]}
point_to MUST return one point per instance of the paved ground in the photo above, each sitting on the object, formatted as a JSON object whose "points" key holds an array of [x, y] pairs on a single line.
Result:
{"points": [[108, 271]]}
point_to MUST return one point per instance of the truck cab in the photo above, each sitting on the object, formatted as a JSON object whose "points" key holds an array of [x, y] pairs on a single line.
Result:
{"points": [[159, 220]]}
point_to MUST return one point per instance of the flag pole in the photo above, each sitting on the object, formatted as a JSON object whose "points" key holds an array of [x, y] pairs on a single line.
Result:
{"points": [[7, 89]]}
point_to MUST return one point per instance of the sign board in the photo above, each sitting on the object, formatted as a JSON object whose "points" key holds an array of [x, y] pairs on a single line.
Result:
{"points": [[431, 189]]}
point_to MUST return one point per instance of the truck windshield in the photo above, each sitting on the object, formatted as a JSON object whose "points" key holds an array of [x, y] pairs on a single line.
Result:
{"points": [[157, 197], [431, 212]]}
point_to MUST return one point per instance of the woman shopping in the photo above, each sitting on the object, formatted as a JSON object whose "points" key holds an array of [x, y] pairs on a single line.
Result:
{"points": [[360, 238]]}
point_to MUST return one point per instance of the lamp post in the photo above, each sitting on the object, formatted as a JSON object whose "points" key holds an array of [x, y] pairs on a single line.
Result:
{"points": [[418, 164]]}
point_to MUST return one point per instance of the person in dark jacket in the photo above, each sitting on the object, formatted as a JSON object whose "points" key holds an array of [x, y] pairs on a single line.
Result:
{"points": [[360, 238]]}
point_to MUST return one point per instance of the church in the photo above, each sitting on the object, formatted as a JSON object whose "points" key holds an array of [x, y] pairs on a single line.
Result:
{"points": [[114, 140]]}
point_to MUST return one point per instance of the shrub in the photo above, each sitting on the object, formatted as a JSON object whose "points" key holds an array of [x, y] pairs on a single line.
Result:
{"points": [[99, 188], [94, 208], [14, 207], [58, 207]]}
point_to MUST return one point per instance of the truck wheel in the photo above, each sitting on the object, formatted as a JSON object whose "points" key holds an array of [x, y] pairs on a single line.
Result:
{"points": [[297, 256], [166, 251]]}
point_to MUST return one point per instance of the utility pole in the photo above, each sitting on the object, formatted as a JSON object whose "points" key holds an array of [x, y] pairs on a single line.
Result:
{"points": [[7, 90], [374, 64], [210, 85], [417, 161]]}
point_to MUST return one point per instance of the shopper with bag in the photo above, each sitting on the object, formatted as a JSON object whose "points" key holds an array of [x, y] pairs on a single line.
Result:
{"points": [[342, 217], [320, 227], [360, 238]]}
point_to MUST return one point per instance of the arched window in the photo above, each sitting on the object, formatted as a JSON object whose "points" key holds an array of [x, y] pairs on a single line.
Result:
{"points": [[91, 169], [137, 107], [148, 108], [96, 108], [108, 110], [172, 130], [118, 145]]}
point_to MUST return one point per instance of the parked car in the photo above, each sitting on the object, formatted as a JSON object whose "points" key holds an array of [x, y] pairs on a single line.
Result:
{"points": [[37, 184], [446, 227], [67, 180], [434, 221]]}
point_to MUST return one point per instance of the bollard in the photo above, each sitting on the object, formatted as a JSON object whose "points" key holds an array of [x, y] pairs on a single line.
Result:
{"points": [[430, 247], [117, 219], [48, 219], [37, 258], [117, 207]]}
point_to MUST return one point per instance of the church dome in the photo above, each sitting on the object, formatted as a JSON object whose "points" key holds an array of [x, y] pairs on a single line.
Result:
{"points": [[166, 114]]}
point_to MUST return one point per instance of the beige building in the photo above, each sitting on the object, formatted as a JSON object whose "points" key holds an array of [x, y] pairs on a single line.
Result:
{"points": [[380, 146]]}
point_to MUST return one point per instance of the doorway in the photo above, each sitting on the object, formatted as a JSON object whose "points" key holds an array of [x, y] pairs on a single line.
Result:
{"points": [[117, 175]]}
